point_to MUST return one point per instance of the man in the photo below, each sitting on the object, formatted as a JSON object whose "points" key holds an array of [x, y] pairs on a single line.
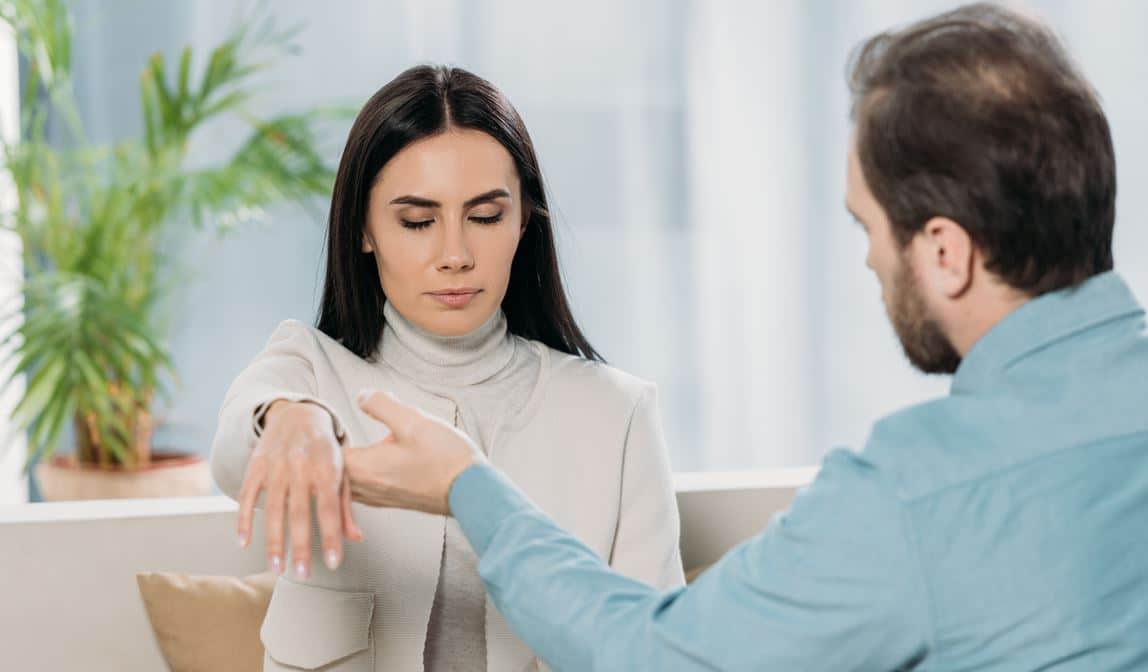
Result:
{"points": [[1004, 526]]}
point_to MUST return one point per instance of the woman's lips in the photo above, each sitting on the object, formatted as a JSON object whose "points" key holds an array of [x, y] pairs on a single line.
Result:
{"points": [[455, 298]]}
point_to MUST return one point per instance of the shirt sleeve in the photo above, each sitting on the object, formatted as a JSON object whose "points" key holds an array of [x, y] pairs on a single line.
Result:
{"points": [[831, 584]]}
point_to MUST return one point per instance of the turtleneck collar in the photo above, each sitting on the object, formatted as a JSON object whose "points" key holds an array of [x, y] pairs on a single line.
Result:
{"points": [[445, 360]]}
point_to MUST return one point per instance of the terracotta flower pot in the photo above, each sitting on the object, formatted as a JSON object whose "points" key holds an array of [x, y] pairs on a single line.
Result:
{"points": [[167, 475]]}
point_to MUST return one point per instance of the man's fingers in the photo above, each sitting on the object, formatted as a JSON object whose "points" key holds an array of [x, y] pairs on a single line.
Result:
{"points": [[367, 463], [384, 407]]}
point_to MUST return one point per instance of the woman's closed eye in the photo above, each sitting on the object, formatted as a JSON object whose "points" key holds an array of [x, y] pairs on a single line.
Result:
{"points": [[484, 218], [417, 224], [492, 218], [417, 218]]}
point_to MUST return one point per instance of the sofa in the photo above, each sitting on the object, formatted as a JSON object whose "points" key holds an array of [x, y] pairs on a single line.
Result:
{"points": [[68, 593]]}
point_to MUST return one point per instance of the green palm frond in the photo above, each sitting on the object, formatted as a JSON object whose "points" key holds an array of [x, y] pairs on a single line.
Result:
{"points": [[93, 219], [44, 37], [279, 161], [174, 106], [77, 341]]}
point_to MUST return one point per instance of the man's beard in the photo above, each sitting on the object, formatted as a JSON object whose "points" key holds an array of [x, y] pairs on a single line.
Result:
{"points": [[922, 339]]}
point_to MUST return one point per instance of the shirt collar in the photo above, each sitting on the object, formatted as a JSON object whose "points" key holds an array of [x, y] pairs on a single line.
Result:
{"points": [[1045, 320]]}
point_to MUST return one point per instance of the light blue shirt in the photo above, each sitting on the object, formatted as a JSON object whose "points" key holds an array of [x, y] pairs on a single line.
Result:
{"points": [[1003, 527]]}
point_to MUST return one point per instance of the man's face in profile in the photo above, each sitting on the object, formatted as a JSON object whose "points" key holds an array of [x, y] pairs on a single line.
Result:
{"points": [[925, 343]]}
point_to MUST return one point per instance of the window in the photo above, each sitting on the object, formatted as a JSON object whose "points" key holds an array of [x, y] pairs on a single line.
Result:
{"points": [[13, 485]]}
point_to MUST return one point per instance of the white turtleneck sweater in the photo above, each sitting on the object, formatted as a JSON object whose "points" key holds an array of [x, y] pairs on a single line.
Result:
{"points": [[489, 375]]}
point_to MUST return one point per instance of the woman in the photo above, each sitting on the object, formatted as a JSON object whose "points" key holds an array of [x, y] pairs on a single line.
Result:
{"points": [[442, 287]]}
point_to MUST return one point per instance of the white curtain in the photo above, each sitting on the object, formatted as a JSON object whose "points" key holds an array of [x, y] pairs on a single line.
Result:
{"points": [[780, 268], [749, 219], [694, 151]]}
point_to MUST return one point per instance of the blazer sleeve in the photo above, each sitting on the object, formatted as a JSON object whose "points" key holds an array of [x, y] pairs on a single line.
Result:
{"points": [[646, 543], [282, 370]]}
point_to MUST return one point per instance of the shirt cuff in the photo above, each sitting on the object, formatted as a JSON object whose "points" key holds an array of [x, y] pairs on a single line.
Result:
{"points": [[481, 498], [261, 411]]}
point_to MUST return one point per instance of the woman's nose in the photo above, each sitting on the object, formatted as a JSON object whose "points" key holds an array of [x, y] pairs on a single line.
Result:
{"points": [[455, 255]]}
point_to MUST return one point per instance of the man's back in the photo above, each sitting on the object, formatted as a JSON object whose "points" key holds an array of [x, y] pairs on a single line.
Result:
{"points": [[1024, 493]]}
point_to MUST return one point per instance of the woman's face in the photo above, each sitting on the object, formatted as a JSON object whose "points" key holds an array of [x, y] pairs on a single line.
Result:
{"points": [[444, 221]]}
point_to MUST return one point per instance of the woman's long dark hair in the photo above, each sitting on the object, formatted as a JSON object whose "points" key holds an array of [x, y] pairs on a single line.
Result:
{"points": [[422, 102]]}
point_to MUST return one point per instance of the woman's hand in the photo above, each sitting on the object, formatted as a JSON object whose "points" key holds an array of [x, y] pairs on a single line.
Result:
{"points": [[296, 459], [415, 466]]}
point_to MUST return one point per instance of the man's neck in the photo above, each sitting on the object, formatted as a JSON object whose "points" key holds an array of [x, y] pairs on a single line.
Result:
{"points": [[982, 310]]}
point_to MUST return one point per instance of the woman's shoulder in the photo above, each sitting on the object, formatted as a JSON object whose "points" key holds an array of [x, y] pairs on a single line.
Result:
{"points": [[297, 333], [591, 380], [307, 341]]}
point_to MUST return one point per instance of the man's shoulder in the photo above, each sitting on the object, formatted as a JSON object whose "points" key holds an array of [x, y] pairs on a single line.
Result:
{"points": [[965, 438], [937, 444]]}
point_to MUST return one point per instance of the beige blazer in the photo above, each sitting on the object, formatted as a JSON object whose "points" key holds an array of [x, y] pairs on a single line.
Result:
{"points": [[588, 449]]}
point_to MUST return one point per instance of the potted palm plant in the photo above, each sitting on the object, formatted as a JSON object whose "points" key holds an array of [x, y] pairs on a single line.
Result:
{"points": [[94, 222]]}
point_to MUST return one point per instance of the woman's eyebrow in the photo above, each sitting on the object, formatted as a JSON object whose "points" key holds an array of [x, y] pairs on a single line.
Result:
{"points": [[421, 202], [493, 194], [416, 201]]}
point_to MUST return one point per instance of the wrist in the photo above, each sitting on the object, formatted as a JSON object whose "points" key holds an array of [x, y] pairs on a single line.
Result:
{"points": [[461, 468], [280, 406]]}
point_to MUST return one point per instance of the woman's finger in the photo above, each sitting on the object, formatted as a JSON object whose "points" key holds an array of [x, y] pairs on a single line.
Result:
{"points": [[351, 529], [327, 505], [299, 521], [248, 496], [273, 508]]}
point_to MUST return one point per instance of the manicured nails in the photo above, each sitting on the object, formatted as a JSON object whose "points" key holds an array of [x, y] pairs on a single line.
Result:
{"points": [[242, 539], [332, 559], [300, 569], [276, 564]]}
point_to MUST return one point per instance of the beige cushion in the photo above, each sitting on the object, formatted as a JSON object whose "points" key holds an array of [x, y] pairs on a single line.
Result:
{"points": [[693, 574], [208, 623]]}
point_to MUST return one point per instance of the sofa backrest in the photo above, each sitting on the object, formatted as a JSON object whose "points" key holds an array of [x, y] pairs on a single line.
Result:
{"points": [[68, 595]]}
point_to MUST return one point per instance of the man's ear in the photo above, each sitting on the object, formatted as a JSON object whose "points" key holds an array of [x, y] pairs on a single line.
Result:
{"points": [[945, 255]]}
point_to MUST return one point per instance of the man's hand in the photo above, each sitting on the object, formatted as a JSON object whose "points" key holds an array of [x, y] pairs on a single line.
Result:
{"points": [[415, 466]]}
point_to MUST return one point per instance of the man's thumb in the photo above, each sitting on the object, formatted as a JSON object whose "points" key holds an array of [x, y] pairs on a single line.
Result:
{"points": [[384, 407]]}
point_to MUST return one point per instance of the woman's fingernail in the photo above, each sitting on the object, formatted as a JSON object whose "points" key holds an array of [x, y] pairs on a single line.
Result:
{"points": [[332, 559], [276, 564], [242, 540], [300, 569], [364, 394]]}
